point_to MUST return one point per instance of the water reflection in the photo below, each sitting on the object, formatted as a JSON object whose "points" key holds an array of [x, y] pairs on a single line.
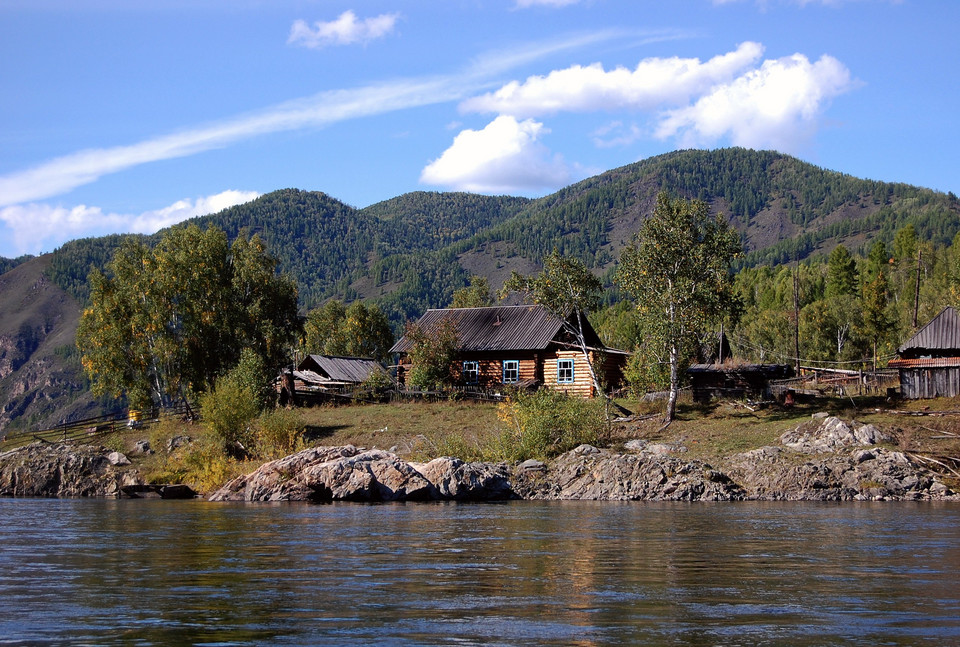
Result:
{"points": [[582, 573]]}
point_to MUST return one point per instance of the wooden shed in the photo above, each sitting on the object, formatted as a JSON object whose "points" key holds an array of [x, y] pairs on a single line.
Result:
{"points": [[319, 375], [522, 345], [929, 362], [735, 380]]}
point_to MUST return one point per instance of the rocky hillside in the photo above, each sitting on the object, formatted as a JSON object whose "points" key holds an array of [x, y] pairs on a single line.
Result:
{"points": [[41, 381]]}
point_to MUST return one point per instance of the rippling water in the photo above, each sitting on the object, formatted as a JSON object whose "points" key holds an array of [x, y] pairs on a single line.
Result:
{"points": [[104, 572]]}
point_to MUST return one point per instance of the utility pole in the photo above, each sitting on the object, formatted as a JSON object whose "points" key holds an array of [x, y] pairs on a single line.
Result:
{"points": [[916, 296], [796, 314]]}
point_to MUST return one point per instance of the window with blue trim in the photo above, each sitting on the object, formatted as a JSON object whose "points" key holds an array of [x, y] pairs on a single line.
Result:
{"points": [[471, 372], [564, 371], [511, 371]]}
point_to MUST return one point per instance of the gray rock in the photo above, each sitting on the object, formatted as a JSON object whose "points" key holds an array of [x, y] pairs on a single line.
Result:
{"points": [[143, 447], [460, 481], [116, 458], [635, 445], [532, 465], [585, 450], [177, 442], [830, 435], [60, 470], [623, 477], [347, 474]]}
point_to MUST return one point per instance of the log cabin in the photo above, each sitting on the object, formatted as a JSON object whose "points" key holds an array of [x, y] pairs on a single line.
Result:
{"points": [[929, 362], [524, 346]]}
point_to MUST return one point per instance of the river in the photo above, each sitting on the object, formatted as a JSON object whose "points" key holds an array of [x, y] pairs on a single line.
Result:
{"points": [[127, 572]]}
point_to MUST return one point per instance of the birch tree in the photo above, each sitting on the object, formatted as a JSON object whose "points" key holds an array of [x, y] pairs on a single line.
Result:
{"points": [[568, 290], [164, 322], [677, 269]]}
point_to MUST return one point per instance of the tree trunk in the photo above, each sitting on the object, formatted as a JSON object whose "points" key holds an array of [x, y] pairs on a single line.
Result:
{"points": [[674, 384]]}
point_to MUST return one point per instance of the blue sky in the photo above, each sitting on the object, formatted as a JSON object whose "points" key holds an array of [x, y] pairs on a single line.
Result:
{"points": [[122, 115]]}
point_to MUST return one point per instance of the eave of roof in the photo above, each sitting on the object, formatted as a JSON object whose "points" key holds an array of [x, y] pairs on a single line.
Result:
{"points": [[942, 333], [926, 362]]}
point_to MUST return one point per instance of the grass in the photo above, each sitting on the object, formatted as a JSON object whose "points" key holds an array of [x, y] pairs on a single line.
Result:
{"points": [[423, 430]]}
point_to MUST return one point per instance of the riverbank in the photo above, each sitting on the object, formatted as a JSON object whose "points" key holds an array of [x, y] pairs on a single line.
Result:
{"points": [[823, 458]]}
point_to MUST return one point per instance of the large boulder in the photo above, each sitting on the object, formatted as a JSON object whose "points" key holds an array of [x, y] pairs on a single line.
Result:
{"points": [[831, 460], [603, 475], [830, 435], [459, 481], [348, 474], [62, 470]]}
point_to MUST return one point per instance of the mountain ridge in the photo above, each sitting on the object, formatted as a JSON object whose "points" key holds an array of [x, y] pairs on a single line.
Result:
{"points": [[410, 253]]}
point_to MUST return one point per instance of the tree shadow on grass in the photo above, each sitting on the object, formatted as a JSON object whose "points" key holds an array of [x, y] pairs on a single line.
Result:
{"points": [[318, 432]]}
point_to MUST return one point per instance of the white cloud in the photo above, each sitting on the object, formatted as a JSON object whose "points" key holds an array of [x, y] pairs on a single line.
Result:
{"points": [[653, 83], [345, 30], [38, 227], [776, 106], [505, 157]]}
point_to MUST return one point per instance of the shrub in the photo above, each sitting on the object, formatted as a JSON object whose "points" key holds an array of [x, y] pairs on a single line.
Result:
{"points": [[546, 423], [279, 433], [227, 413]]}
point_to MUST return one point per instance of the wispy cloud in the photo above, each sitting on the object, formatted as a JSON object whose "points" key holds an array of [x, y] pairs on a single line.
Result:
{"points": [[68, 172], [347, 29], [36, 227]]}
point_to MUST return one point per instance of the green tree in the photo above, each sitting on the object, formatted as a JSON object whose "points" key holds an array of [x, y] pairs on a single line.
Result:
{"points": [[877, 323], [476, 295], [569, 291], [677, 268], [841, 273], [165, 322], [432, 354], [356, 330]]}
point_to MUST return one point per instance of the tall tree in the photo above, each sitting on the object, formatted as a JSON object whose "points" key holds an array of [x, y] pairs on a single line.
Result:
{"points": [[677, 268], [569, 291], [165, 322], [476, 295], [841, 273], [356, 330]]}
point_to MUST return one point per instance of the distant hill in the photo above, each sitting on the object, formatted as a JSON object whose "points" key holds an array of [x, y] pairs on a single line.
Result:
{"points": [[41, 380], [411, 252]]}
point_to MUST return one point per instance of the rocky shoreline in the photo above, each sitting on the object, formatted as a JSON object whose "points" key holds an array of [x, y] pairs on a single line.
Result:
{"points": [[826, 459]]}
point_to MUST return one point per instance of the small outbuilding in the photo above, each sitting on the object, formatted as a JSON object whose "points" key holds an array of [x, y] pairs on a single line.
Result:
{"points": [[317, 375], [735, 380], [929, 362]]}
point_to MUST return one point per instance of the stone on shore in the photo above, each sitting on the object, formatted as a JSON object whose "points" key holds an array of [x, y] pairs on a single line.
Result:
{"points": [[347, 474], [61, 470], [603, 475]]}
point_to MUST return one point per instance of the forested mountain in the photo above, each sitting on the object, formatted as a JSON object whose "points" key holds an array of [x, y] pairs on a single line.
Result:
{"points": [[411, 252]]}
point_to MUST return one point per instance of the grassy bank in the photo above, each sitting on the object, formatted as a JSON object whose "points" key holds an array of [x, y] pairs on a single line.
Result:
{"points": [[422, 430]]}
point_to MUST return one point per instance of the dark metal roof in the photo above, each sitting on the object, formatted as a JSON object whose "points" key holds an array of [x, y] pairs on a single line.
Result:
{"points": [[524, 327], [341, 369], [941, 334]]}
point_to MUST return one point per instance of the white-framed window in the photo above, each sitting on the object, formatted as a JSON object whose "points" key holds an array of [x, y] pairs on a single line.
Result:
{"points": [[511, 371], [471, 372], [565, 371]]}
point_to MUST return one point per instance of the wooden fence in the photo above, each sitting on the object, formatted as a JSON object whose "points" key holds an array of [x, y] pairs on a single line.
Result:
{"points": [[96, 427]]}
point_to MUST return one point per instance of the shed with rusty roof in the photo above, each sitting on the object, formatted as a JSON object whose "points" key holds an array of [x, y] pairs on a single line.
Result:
{"points": [[929, 362]]}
